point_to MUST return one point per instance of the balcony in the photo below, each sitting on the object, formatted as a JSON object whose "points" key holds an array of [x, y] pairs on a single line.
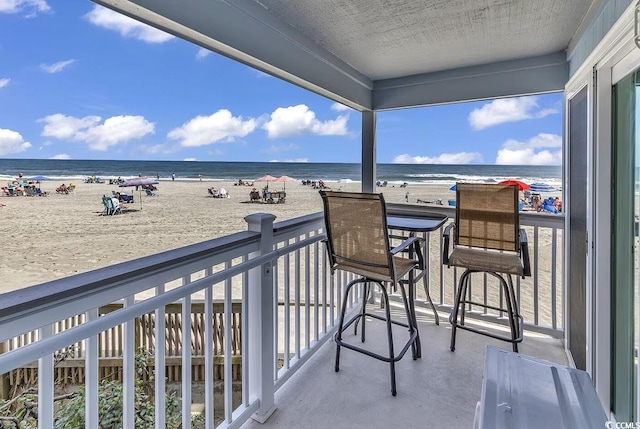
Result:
{"points": [[263, 307]]}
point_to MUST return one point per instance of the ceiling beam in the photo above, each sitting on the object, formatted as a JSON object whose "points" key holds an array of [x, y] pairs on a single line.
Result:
{"points": [[533, 75], [247, 32]]}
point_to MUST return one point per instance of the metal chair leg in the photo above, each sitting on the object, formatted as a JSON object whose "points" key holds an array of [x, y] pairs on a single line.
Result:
{"points": [[512, 325], [453, 319], [433, 307], [515, 313], [392, 366], [338, 335], [465, 298], [412, 321], [367, 290]]}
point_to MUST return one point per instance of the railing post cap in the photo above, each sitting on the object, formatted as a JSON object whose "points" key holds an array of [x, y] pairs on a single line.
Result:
{"points": [[258, 219]]}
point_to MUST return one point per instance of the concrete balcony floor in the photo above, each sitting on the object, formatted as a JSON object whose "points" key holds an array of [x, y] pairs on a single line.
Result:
{"points": [[439, 390]]}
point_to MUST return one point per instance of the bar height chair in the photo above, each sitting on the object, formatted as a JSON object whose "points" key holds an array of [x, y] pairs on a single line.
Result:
{"points": [[487, 239], [358, 242]]}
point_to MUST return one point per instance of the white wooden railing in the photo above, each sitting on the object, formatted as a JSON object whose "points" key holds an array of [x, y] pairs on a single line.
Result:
{"points": [[289, 307]]}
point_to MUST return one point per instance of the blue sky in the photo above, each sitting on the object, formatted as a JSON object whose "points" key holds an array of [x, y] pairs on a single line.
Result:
{"points": [[78, 81]]}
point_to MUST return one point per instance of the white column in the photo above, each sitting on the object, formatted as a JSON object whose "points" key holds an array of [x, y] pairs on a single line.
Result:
{"points": [[261, 327], [368, 151]]}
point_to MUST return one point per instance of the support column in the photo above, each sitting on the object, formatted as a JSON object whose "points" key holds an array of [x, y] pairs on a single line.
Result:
{"points": [[261, 320], [368, 151]]}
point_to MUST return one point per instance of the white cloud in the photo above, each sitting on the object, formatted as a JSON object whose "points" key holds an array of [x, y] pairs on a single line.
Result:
{"points": [[190, 159], [32, 7], [507, 110], [203, 53], [12, 142], [127, 27], [443, 158], [4, 82], [543, 149], [56, 67], [98, 136], [281, 148], [205, 130], [297, 120], [340, 107], [291, 160], [61, 156]]}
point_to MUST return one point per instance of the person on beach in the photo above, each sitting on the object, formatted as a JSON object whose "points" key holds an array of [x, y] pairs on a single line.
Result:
{"points": [[200, 177], [173, 176], [406, 197]]}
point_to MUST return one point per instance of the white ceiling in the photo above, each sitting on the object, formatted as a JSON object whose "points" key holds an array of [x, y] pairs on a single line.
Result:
{"points": [[393, 38], [385, 54]]}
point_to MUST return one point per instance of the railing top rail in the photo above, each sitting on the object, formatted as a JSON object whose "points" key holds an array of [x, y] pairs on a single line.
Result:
{"points": [[290, 224], [526, 218], [28, 353], [85, 283]]}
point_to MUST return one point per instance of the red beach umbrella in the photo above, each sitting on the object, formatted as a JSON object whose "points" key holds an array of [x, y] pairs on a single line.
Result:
{"points": [[521, 185]]}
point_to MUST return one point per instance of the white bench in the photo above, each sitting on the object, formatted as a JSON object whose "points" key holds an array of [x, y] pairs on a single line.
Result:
{"points": [[522, 392]]}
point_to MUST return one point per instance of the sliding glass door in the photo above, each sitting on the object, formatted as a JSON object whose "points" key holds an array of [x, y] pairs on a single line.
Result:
{"points": [[624, 246]]}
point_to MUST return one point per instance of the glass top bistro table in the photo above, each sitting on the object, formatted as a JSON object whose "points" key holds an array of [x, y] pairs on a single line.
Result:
{"points": [[416, 221]]}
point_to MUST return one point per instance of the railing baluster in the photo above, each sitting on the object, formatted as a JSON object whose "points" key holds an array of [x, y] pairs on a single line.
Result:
{"points": [[332, 299], [228, 364], [307, 297], [287, 309], [316, 287], [246, 386], [535, 269], [554, 243], [159, 369], [276, 316], [209, 382], [91, 376], [485, 292], [129, 369], [297, 301], [45, 384], [186, 357], [441, 265], [324, 293]]}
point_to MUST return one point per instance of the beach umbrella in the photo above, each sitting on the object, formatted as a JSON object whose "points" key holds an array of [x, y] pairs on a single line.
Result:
{"points": [[542, 187], [454, 187], [139, 182], [285, 179], [521, 185], [38, 178], [267, 178]]}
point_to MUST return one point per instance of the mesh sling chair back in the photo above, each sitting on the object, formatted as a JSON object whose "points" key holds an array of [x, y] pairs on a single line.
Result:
{"points": [[487, 238], [358, 242]]}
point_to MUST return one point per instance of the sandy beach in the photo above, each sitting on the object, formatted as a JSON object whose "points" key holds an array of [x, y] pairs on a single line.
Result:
{"points": [[47, 238]]}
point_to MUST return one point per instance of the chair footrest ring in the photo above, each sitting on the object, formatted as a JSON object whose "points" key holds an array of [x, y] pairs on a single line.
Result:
{"points": [[518, 338]]}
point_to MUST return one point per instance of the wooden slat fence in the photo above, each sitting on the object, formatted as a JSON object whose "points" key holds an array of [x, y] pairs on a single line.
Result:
{"points": [[70, 370]]}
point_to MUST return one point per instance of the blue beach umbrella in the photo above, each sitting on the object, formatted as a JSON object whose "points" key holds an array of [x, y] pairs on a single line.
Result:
{"points": [[454, 187], [542, 187], [38, 178]]}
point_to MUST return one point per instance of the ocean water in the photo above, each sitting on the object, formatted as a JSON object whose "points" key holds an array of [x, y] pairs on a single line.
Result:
{"points": [[78, 170]]}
